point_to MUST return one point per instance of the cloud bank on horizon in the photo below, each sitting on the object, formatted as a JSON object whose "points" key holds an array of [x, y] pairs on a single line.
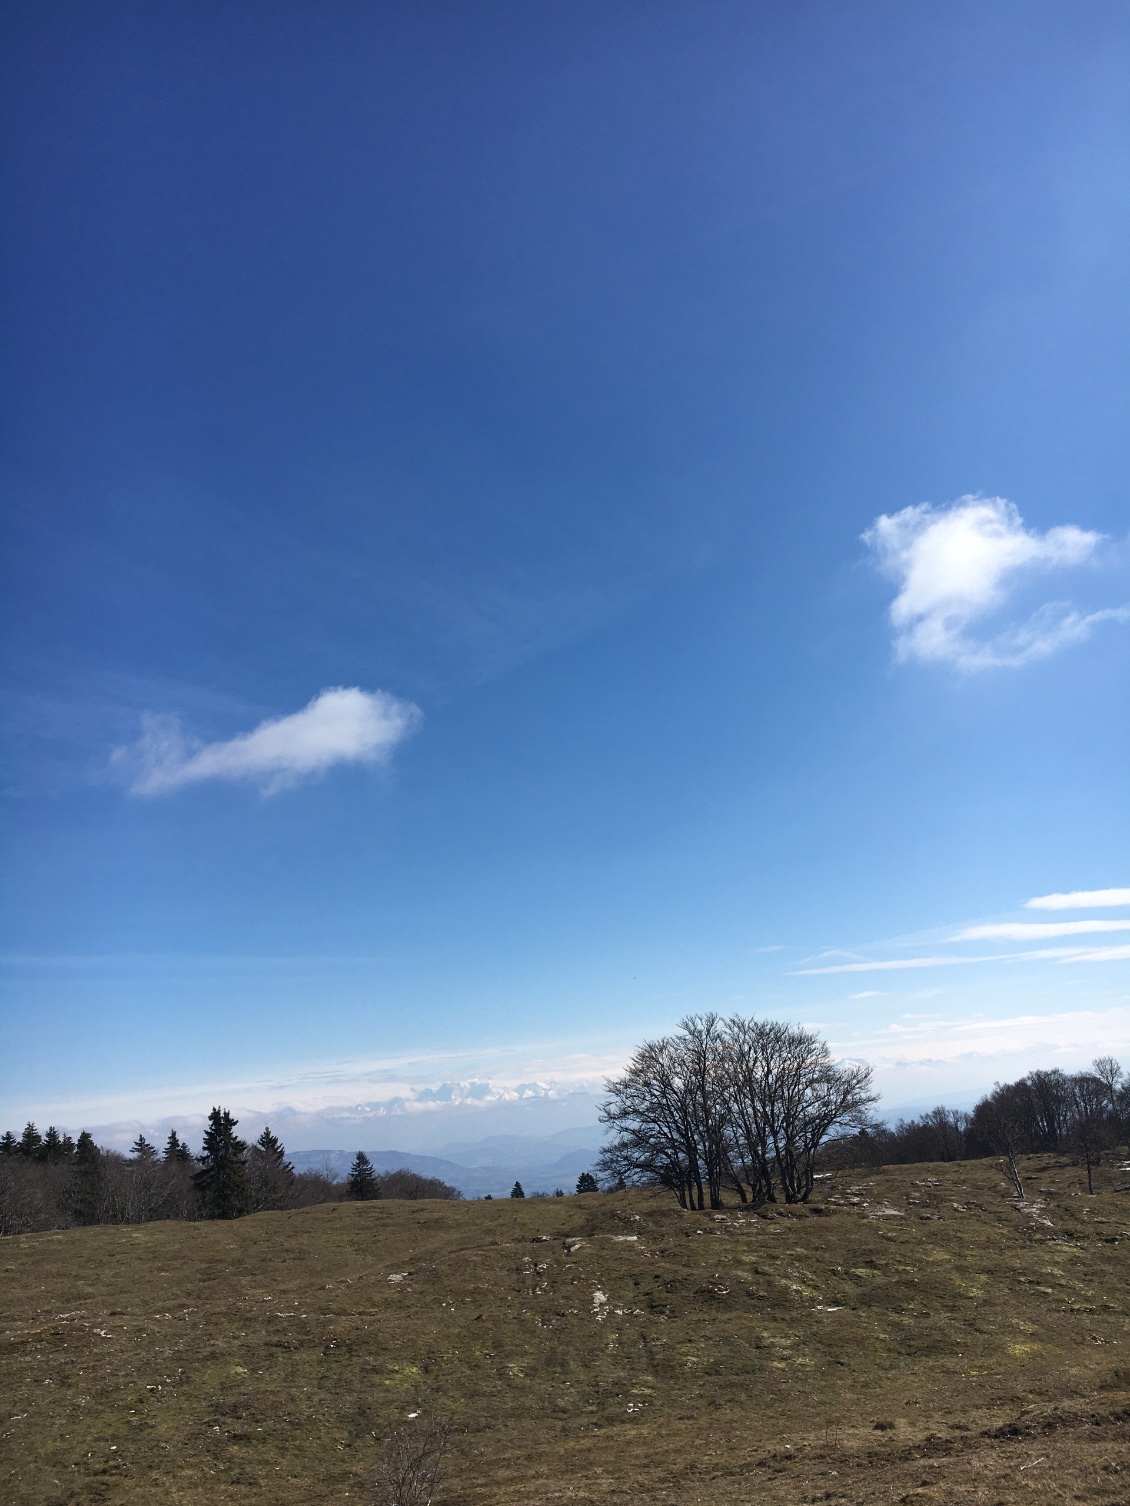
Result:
{"points": [[339, 1104], [956, 567], [343, 725]]}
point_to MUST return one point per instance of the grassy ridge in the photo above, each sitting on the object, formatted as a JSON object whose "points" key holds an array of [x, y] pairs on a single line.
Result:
{"points": [[605, 1348]]}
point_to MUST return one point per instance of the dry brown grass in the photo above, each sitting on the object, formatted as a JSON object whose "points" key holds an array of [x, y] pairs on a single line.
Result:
{"points": [[726, 1359]]}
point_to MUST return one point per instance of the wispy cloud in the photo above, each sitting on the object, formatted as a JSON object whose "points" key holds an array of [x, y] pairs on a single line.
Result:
{"points": [[1080, 899], [1040, 954], [1020, 930], [341, 725], [888, 965], [935, 1041], [956, 566]]}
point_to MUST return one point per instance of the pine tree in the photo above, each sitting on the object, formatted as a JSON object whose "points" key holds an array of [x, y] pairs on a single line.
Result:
{"points": [[274, 1152], [363, 1183], [31, 1141], [586, 1182], [9, 1145], [269, 1173], [176, 1152], [53, 1148], [86, 1177], [141, 1150], [516, 1190], [221, 1181]]}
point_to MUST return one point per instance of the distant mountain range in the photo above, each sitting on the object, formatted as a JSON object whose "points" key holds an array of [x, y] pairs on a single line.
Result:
{"points": [[542, 1163]]}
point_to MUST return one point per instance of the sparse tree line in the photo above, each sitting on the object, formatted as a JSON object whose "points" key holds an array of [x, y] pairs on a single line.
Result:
{"points": [[51, 1181], [753, 1108], [1081, 1114], [742, 1107]]}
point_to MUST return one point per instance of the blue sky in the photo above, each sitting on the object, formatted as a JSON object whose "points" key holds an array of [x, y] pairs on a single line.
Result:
{"points": [[524, 521]]}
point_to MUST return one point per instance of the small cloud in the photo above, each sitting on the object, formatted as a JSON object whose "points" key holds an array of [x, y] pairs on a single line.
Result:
{"points": [[1038, 931], [868, 993], [955, 566], [890, 966], [1080, 899], [342, 725]]}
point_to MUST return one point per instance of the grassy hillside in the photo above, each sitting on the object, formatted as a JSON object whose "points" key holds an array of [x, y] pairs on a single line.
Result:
{"points": [[917, 1337]]}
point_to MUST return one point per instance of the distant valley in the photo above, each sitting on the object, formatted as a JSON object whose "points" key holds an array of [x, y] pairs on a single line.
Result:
{"points": [[542, 1163]]}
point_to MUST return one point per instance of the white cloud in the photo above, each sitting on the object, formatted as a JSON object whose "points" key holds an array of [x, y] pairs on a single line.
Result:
{"points": [[956, 566], [1022, 931], [1080, 899], [1081, 1034], [418, 1097], [898, 964], [1041, 954], [342, 725]]}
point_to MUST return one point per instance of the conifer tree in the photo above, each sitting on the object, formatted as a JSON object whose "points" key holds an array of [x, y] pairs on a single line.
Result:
{"points": [[31, 1141], [53, 1147], [221, 1181], [270, 1175], [273, 1150], [363, 1184], [176, 1152], [9, 1145], [141, 1150], [517, 1190], [586, 1182], [86, 1179]]}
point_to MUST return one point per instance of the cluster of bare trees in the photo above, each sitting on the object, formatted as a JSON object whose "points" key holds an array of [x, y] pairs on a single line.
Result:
{"points": [[1081, 1114], [737, 1104], [51, 1181]]}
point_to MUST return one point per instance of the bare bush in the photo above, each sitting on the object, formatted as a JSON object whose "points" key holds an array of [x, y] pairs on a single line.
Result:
{"points": [[409, 1471], [411, 1186]]}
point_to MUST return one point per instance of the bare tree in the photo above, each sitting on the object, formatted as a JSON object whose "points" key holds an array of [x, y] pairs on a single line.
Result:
{"points": [[1114, 1080], [651, 1110], [1001, 1122], [409, 1472], [739, 1103], [410, 1186], [806, 1097], [703, 1047], [1091, 1128], [750, 1045], [1051, 1105]]}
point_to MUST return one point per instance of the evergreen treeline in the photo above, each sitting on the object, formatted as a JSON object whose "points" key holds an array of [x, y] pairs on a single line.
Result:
{"points": [[49, 1181]]}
